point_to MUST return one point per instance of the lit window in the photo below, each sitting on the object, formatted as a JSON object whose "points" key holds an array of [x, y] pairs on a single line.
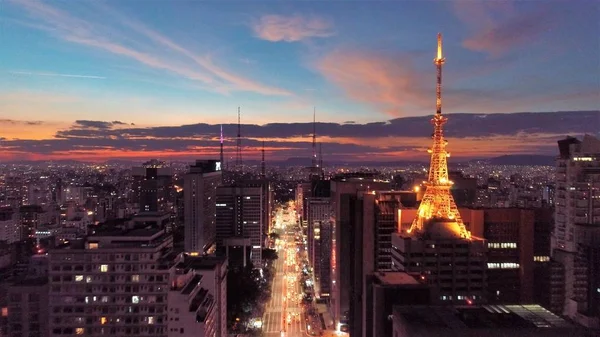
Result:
{"points": [[150, 320], [135, 278], [4, 312], [104, 268], [93, 245], [104, 299], [88, 279], [78, 278], [103, 320], [135, 299], [79, 331]]}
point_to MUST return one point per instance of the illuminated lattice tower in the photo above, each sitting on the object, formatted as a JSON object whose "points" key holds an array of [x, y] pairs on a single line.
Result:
{"points": [[438, 206]]}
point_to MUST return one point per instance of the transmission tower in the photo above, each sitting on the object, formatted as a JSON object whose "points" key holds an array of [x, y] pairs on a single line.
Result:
{"points": [[238, 153], [438, 204]]}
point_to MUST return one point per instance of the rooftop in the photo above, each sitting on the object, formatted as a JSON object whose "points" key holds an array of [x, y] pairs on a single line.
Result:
{"points": [[488, 320], [396, 278]]}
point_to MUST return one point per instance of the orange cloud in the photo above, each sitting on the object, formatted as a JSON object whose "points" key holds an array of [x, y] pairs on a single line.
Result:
{"points": [[390, 83], [276, 28]]}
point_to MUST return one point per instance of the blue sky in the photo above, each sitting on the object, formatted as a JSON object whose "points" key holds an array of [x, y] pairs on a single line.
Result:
{"points": [[154, 63]]}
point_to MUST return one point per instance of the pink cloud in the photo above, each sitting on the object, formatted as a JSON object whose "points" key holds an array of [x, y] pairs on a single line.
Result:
{"points": [[276, 28], [389, 83], [496, 26]]}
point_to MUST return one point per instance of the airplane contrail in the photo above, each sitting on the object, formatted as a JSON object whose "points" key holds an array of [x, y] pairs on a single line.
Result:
{"points": [[29, 73]]}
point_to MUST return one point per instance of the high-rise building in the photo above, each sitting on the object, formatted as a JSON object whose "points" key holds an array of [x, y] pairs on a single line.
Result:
{"points": [[239, 224], [115, 282], [152, 187], [344, 189], [509, 233], [577, 215], [197, 298], [200, 194]]}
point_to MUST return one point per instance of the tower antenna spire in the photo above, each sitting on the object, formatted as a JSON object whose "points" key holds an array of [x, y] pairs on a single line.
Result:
{"points": [[437, 206], [314, 139], [263, 169], [238, 155], [222, 159], [439, 62], [322, 171]]}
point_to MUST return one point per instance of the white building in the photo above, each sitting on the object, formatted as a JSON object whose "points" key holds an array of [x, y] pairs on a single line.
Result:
{"points": [[577, 206], [199, 191], [111, 284], [197, 298]]}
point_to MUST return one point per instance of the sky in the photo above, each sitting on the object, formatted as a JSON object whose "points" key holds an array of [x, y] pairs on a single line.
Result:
{"points": [[97, 80]]}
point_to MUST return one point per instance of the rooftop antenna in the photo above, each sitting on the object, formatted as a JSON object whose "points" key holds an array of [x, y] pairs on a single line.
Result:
{"points": [[321, 161], [222, 158], [238, 155], [263, 170], [314, 139]]}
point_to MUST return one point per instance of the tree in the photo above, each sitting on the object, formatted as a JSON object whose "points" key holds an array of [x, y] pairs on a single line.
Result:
{"points": [[269, 254], [274, 236]]}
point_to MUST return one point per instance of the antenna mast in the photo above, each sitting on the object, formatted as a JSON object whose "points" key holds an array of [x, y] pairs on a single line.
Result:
{"points": [[314, 139], [238, 154], [221, 153], [321, 161], [439, 61], [263, 170]]}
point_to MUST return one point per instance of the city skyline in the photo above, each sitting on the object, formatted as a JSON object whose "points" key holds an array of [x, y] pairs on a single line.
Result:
{"points": [[135, 84]]}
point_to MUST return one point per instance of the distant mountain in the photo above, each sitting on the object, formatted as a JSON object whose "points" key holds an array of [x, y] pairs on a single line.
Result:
{"points": [[523, 159]]}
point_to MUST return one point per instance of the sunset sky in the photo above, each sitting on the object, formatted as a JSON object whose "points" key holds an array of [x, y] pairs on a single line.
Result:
{"points": [[96, 80]]}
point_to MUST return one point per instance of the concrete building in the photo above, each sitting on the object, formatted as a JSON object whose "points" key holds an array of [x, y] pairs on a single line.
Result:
{"points": [[454, 267], [477, 321], [152, 187], [239, 224], [318, 231], [197, 298], [200, 194], [10, 226], [27, 309], [343, 188], [509, 233], [577, 207], [115, 283]]}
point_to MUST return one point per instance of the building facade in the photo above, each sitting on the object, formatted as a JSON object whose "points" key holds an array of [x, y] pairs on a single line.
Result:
{"points": [[200, 194], [112, 283]]}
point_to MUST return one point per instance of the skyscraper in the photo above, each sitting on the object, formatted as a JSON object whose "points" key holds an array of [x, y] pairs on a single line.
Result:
{"points": [[576, 236], [239, 221], [200, 193], [152, 186]]}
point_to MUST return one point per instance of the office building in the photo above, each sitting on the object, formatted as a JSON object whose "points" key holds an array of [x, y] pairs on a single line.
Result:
{"points": [[509, 233], [343, 189], [239, 224], [577, 212], [115, 283], [152, 187], [197, 298], [10, 227], [200, 194]]}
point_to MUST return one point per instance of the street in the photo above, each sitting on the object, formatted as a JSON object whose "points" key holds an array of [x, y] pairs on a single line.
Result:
{"points": [[283, 315]]}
